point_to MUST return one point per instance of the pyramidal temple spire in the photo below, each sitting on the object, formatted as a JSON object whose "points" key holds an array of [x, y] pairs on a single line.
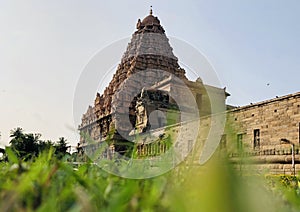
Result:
{"points": [[148, 49]]}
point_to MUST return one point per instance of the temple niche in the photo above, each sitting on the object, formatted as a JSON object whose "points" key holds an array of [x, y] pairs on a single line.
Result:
{"points": [[148, 91]]}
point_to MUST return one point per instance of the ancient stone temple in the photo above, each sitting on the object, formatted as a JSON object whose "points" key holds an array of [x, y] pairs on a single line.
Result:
{"points": [[150, 94], [148, 90]]}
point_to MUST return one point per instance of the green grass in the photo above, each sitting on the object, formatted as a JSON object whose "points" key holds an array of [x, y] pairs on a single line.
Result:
{"points": [[49, 184]]}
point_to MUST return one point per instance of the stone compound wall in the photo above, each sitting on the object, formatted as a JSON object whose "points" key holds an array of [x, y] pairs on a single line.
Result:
{"points": [[270, 151], [265, 134], [277, 121]]}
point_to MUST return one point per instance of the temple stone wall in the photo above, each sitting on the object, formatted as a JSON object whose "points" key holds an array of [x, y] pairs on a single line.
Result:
{"points": [[272, 150], [275, 121]]}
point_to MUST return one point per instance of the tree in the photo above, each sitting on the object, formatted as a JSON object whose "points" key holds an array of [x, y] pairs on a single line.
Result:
{"points": [[45, 145], [24, 145], [17, 136], [61, 148], [28, 146]]}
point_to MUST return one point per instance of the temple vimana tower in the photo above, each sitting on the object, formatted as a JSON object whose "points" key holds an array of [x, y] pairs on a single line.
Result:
{"points": [[149, 90]]}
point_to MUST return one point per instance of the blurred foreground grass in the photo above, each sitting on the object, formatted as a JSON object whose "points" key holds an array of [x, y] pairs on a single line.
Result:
{"points": [[49, 184]]}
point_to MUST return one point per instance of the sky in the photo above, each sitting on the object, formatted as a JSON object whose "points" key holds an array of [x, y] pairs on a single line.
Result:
{"points": [[45, 46]]}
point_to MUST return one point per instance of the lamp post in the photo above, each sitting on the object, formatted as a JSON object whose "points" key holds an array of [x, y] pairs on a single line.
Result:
{"points": [[293, 158], [286, 141]]}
